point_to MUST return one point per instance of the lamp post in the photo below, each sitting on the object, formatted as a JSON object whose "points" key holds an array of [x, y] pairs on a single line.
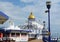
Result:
{"points": [[48, 5]]}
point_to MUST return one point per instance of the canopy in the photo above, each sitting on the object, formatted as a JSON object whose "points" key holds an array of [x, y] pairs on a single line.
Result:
{"points": [[3, 17]]}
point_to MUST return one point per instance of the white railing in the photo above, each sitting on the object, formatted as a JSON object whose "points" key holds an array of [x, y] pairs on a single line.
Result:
{"points": [[0, 39], [12, 38], [7, 38]]}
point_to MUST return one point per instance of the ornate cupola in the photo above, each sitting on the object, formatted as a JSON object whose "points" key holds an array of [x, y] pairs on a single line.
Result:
{"points": [[31, 16]]}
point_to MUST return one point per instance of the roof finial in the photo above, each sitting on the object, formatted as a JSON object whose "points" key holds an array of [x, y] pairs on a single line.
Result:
{"points": [[31, 13]]}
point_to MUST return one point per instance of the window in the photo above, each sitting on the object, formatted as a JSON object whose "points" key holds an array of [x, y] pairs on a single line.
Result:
{"points": [[13, 34], [17, 34], [7, 34], [23, 34]]}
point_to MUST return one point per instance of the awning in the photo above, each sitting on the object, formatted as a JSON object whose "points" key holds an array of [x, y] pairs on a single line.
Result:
{"points": [[3, 17]]}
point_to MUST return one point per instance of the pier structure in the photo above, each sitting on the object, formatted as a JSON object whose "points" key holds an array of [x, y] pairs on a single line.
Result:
{"points": [[16, 34], [34, 26], [29, 31]]}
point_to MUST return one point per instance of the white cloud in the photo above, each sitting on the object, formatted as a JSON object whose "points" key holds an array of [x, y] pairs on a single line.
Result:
{"points": [[26, 1], [55, 1], [38, 9], [11, 10]]}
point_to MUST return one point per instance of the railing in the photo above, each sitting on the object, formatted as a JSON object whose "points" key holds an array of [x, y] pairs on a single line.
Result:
{"points": [[7, 38], [0, 39]]}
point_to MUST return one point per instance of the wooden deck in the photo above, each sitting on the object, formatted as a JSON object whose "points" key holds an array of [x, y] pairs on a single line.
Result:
{"points": [[36, 40]]}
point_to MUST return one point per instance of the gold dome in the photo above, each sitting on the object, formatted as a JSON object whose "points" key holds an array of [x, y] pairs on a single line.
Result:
{"points": [[31, 16]]}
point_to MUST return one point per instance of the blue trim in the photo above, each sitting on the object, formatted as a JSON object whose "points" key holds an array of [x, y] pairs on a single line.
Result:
{"points": [[2, 30], [8, 31], [2, 14], [26, 30]]}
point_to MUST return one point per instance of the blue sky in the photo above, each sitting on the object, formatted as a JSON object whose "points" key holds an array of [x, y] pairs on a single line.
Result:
{"points": [[19, 10]]}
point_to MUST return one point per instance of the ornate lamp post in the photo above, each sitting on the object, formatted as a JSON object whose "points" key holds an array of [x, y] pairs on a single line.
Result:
{"points": [[48, 4]]}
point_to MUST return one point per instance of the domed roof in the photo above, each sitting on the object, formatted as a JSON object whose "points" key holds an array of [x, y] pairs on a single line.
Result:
{"points": [[31, 16]]}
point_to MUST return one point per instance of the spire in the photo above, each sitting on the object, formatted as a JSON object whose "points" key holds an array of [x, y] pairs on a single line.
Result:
{"points": [[31, 16], [11, 23]]}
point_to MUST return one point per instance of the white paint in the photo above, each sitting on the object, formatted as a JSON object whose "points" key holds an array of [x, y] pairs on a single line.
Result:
{"points": [[24, 38]]}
